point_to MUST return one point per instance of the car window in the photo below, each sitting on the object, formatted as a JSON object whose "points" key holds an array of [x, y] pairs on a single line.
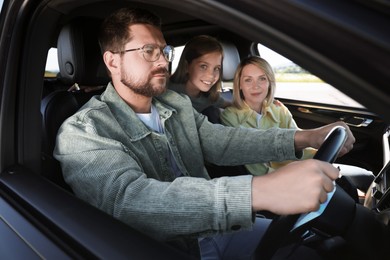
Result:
{"points": [[175, 62], [52, 67], [292, 81], [296, 83]]}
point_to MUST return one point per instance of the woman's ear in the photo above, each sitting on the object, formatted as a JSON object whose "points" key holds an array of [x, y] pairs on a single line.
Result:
{"points": [[112, 62]]}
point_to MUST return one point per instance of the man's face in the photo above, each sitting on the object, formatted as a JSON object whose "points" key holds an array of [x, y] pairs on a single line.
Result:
{"points": [[141, 76]]}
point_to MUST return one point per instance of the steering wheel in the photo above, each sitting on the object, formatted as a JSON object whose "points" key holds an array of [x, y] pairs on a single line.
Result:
{"points": [[281, 226]]}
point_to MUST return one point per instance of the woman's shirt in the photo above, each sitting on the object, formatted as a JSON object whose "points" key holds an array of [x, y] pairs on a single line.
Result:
{"points": [[275, 115]]}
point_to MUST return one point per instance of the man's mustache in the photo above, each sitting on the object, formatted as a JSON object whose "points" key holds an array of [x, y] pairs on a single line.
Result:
{"points": [[161, 70]]}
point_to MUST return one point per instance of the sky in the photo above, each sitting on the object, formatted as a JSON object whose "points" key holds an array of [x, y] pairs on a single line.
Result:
{"points": [[273, 58], [52, 63]]}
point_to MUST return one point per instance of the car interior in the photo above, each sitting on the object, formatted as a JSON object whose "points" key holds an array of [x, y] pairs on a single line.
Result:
{"points": [[80, 63], [74, 34]]}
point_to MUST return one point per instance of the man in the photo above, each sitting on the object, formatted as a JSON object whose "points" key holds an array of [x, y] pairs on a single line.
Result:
{"points": [[137, 152]]}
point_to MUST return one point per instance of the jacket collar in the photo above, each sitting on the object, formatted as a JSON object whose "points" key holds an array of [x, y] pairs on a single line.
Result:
{"points": [[126, 116], [268, 111]]}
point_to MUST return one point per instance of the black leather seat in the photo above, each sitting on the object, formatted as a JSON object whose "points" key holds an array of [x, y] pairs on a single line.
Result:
{"points": [[80, 62]]}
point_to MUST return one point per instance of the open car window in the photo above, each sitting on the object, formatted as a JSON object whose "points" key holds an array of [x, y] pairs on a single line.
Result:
{"points": [[52, 67], [175, 62], [295, 83]]}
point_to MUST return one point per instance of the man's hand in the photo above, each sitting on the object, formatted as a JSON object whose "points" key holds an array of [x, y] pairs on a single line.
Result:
{"points": [[298, 187], [315, 137]]}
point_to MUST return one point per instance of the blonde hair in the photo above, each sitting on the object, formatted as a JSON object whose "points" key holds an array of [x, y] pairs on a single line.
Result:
{"points": [[238, 96], [195, 48]]}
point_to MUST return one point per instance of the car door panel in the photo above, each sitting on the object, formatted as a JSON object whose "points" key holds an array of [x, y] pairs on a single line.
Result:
{"points": [[48, 222]]}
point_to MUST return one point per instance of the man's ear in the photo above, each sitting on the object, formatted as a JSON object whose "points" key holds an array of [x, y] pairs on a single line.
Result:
{"points": [[112, 62]]}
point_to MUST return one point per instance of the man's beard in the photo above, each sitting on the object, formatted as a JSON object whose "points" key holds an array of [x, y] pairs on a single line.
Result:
{"points": [[146, 87]]}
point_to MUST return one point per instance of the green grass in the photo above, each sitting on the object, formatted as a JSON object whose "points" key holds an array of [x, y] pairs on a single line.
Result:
{"points": [[296, 77]]}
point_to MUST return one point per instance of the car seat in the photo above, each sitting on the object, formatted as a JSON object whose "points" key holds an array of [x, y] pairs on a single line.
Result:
{"points": [[231, 60], [80, 62]]}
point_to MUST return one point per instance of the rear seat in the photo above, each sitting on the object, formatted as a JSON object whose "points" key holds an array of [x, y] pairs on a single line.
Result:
{"points": [[80, 62]]}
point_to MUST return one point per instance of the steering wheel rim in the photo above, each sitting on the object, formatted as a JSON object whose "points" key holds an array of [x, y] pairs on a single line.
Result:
{"points": [[281, 225]]}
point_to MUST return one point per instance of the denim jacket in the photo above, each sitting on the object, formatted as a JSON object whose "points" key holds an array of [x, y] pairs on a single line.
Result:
{"points": [[114, 162]]}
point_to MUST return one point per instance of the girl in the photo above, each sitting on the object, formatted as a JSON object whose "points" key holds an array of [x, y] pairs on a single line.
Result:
{"points": [[199, 71]]}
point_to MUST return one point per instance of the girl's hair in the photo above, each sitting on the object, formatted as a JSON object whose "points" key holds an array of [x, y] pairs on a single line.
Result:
{"points": [[114, 31], [238, 96], [195, 48]]}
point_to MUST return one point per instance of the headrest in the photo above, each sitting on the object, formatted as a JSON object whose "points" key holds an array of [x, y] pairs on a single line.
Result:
{"points": [[231, 60], [79, 57]]}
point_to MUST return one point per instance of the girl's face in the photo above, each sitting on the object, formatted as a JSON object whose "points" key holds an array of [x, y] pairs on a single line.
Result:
{"points": [[203, 73], [254, 85]]}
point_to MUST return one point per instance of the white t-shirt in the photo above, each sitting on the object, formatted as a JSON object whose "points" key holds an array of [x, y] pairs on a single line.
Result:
{"points": [[152, 120], [258, 119]]}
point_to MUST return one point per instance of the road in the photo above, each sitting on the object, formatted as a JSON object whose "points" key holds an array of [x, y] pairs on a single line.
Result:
{"points": [[315, 92]]}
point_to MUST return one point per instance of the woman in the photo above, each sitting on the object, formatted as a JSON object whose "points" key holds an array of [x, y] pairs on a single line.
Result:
{"points": [[199, 71], [254, 106]]}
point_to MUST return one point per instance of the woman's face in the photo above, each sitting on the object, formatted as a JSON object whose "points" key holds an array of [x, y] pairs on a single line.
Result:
{"points": [[203, 73], [254, 85]]}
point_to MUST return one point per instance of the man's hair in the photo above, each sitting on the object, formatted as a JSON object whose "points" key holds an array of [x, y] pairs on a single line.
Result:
{"points": [[198, 46], [115, 33]]}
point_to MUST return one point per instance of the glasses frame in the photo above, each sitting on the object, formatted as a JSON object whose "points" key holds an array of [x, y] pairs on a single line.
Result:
{"points": [[154, 45]]}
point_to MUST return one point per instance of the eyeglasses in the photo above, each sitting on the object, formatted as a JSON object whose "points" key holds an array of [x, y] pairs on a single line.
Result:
{"points": [[152, 52]]}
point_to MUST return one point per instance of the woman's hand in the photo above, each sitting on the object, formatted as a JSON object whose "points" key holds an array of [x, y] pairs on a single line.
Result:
{"points": [[315, 137]]}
